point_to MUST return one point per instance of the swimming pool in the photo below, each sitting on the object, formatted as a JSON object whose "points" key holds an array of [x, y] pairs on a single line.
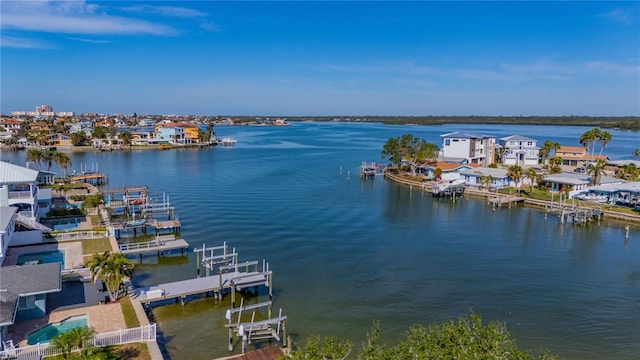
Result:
{"points": [[43, 257], [65, 224], [45, 334]]}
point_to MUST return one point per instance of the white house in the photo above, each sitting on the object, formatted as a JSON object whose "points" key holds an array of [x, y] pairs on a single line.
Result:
{"points": [[7, 226], [19, 189], [498, 177], [519, 150], [474, 148]]}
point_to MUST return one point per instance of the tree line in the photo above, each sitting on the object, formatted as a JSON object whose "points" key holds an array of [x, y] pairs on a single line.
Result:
{"points": [[622, 122]]}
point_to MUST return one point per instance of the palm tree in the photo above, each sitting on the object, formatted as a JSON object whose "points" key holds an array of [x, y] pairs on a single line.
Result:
{"points": [[35, 155], [554, 165], [515, 173], [80, 339], [111, 269], [485, 181], [126, 138], [64, 344], [47, 158], [545, 150], [502, 151], [532, 175], [636, 153], [604, 137], [596, 171], [62, 160]]}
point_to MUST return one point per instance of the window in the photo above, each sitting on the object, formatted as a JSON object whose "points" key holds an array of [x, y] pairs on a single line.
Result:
{"points": [[447, 142]]}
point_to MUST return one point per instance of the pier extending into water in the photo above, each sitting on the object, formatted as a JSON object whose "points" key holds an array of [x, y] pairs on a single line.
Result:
{"points": [[159, 244], [228, 277]]}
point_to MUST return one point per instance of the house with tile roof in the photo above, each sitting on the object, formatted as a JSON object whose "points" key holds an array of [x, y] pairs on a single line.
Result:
{"points": [[474, 148], [518, 150], [577, 156]]}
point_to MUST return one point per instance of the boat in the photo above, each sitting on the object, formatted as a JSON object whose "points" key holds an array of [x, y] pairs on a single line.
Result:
{"points": [[165, 146], [135, 222], [448, 188], [227, 142]]}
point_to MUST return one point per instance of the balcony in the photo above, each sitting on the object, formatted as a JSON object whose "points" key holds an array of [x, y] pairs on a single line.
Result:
{"points": [[22, 194]]}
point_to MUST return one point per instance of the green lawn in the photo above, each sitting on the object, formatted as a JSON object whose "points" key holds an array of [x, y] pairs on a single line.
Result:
{"points": [[92, 246], [130, 317]]}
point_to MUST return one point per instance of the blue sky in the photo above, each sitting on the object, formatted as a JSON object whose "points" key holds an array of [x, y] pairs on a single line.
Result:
{"points": [[321, 58]]}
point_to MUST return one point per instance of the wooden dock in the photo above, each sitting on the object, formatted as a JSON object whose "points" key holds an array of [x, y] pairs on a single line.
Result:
{"points": [[91, 178], [159, 244], [508, 200]]}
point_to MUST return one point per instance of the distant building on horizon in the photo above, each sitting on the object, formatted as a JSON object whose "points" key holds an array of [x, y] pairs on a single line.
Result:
{"points": [[43, 110]]}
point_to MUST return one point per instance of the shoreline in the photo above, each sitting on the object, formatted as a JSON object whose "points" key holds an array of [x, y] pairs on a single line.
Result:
{"points": [[609, 215], [89, 148]]}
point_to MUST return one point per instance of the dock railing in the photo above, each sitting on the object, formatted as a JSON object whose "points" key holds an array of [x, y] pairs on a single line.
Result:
{"points": [[79, 235], [159, 241], [146, 333]]}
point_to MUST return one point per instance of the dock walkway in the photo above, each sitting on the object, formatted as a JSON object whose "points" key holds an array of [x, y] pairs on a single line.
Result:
{"points": [[160, 243], [214, 283]]}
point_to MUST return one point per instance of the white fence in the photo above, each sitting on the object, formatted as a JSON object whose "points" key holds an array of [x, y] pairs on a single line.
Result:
{"points": [[145, 333], [80, 235]]}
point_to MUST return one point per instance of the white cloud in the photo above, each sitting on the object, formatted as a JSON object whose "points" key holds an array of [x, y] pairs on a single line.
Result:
{"points": [[72, 17], [173, 11], [91, 41], [23, 43], [619, 15]]}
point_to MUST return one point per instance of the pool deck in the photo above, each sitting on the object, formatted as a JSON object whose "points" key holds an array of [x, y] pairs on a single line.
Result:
{"points": [[102, 318], [72, 253]]}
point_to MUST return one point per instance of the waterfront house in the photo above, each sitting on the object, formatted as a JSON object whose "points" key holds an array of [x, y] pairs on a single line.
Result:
{"points": [[11, 125], [190, 133], [18, 187], [576, 156], [174, 134], [24, 292], [474, 148], [7, 227], [450, 171], [569, 183], [141, 137], [60, 140], [518, 150], [498, 177]]}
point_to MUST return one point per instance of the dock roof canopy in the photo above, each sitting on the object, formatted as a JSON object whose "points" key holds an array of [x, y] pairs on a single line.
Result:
{"points": [[25, 280]]}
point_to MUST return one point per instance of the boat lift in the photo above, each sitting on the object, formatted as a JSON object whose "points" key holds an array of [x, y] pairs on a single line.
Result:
{"points": [[255, 330]]}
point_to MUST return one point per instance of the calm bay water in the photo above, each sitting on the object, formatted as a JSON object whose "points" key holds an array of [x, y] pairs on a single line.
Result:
{"points": [[346, 252]]}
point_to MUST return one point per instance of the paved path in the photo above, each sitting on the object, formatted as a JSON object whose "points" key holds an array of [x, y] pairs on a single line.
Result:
{"points": [[154, 349]]}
